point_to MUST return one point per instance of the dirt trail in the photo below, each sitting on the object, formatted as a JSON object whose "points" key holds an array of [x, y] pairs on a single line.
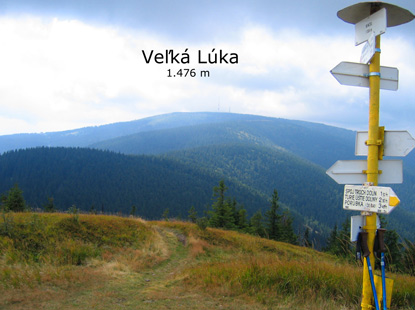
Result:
{"points": [[163, 276], [157, 288], [163, 289]]}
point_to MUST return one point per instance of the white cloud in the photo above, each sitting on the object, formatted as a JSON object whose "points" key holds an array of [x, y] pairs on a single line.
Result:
{"points": [[62, 74]]}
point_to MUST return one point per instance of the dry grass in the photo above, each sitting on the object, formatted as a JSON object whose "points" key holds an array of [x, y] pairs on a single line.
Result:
{"points": [[37, 249], [197, 246], [266, 277], [277, 274], [56, 261]]}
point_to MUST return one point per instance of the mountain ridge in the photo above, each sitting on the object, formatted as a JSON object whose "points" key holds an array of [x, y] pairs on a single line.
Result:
{"points": [[85, 136]]}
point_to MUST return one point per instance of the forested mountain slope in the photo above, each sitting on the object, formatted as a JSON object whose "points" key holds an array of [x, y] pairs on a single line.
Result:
{"points": [[158, 134], [254, 154], [114, 182], [302, 185], [318, 143]]}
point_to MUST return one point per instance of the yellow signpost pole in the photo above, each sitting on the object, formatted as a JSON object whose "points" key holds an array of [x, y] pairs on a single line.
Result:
{"points": [[372, 172], [358, 14]]}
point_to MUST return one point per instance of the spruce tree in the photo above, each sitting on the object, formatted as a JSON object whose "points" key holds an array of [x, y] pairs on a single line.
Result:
{"points": [[221, 215], [331, 242], [344, 239], [50, 206], [3, 200], [256, 226], [234, 211], [165, 214], [273, 219], [92, 210], [306, 238], [394, 253], [14, 201], [339, 241], [133, 210], [192, 214], [242, 221], [287, 231]]}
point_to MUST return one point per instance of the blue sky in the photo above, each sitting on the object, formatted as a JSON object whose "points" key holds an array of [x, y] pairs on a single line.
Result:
{"points": [[71, 64]]}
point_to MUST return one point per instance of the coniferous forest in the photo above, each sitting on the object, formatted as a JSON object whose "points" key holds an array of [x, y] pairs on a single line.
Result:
{"points": [[173, 162]]}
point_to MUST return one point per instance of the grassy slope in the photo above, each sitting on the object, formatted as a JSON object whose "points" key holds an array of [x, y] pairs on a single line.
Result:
{"points": [[57, 261]]}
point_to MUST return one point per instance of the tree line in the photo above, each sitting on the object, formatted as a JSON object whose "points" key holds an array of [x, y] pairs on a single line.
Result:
{"points": [[226, 213]]}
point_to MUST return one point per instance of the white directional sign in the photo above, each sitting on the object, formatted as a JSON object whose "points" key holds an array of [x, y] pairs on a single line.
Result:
{"points": [[369, 198], [396, 143], [357, 74], [352, 171], [375, 23], [368, 50]]}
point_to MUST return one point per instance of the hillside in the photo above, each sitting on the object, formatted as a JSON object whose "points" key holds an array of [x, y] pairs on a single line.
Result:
{"points": [[254, 154], [61, 261], [317, 143], [315, 146], [113, 182], [303, 187], [158, 134], [110, 182]]}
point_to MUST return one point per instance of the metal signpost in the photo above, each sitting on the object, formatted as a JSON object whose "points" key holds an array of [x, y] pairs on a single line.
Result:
{"points": [[370, 19]]}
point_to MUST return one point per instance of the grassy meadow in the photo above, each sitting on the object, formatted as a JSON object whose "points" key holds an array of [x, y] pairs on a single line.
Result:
{"points": [[71, 261]]}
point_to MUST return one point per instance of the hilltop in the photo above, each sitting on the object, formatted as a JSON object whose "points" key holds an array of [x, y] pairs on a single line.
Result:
{"points": [[70, 261]]}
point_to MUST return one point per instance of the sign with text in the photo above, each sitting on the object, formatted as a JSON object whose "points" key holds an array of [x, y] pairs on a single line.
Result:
{"points": [[368, 50], [375, 199], [375, 23]]}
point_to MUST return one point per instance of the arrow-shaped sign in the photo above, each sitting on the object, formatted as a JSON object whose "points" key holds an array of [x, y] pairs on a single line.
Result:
{"points": [[357, 74], [369, 198], [396, 143], [352, 171]]}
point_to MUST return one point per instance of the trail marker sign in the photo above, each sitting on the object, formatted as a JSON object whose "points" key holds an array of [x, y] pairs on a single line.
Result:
{"points": [[375, 23], [357, 74], [375, 199], [368, 50], [396, 143], [353, 171]]}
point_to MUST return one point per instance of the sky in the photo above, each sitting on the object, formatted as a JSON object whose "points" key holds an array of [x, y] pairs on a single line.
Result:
{"points": [[72, 64]]}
